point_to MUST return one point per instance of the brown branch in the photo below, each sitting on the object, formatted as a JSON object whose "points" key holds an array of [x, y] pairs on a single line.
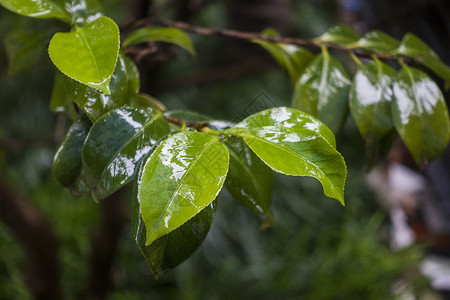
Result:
{"points": [[196, 126], [35, 233], [250, 36]]}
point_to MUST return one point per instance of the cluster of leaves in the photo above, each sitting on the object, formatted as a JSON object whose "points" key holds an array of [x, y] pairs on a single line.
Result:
{"points": [[178, 160], [382, 101]]}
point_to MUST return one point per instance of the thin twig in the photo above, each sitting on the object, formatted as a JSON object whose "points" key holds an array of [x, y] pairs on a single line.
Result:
{"points": [[196, 126]]}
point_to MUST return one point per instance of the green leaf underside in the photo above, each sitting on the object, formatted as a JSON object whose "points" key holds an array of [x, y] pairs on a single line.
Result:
{"points": [[370, 104], [124, 87], [88, 54], [36, 8], [249, 180], [340, 34], [291, 146], [24, 49], [377, 41], [172, 249], [116, 144], [181, 177], [67, 161], [420, 115], [322, 91], [168, 35], [412, 46]]}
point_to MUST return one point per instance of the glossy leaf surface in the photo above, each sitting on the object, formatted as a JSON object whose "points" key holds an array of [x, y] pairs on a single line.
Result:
{"points": [[88, 54], [293, 143], [83, 11], [116, 144], [322, 91], [181, 177], [340, 34], [67, 161], [37, 8], [249, 180], [124, 86], [377, 41], [168, 35], [60, 101], [24, 49], [412, 46], [172, 249], [420, 115], [370, 104], [145, 100]]}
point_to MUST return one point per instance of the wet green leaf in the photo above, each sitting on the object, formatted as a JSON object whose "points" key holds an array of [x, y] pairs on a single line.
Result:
{"points": [[67, 161], [145, 100], [37, 8], [24, 49], [168, 35], [83, 11], [181, 177], [116, 144], [187, 115], [340, 34], [249, 180], [59, 101], [323, 90], [412, 46], [293, 143], [124, 88], [370, 104], [172, 249], [88, 54], [377, 41], [420, 115]]}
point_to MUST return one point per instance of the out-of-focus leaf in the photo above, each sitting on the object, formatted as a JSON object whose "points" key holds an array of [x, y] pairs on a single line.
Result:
{"points": [[249, 180], [322, 91], [187, 115], [83, 11], [370, 104], [293, 143], [59, 101], [339, 34], [172, 249], [24, 49], [377, 41], [88, 54], [67, 161], [145, 100], [168, 35], [181, 177], [420, 115], [37, 8], [412, 46], [124, 86], [116, 144]]}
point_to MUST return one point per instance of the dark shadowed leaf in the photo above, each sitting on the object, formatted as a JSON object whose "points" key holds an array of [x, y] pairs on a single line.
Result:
{"points": [[116, 144], [293, 143], [420, 115], [88, 54], [249, 180], [322, 91], [181, 177], [370, 104], [145, 100]]}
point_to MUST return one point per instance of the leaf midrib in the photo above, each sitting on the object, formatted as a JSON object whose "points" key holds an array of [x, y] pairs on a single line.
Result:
{"points": [[88, 46]]}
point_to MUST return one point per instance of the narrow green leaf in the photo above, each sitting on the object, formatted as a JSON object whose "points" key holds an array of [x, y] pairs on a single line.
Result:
{"points": [[412, 46], [145, 100], [88, 54], [293, 143], [181, 177], [370, 104], [24, 49], [172, 249], [37, 9], [83, 11], [340, 34], [249, 180], [116, 144], [323, 91], [187, 115], [420, 115], [67, 161], [168, 35], [377, 41], [124, 88]]}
